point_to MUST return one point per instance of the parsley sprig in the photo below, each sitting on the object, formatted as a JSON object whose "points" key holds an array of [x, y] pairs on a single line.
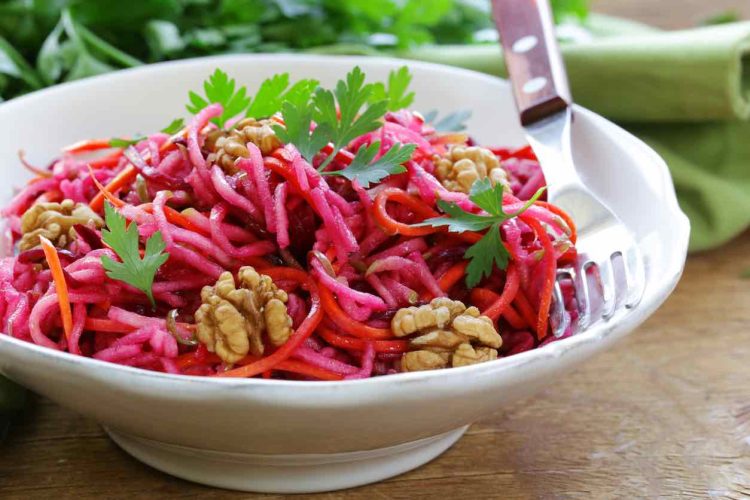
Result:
{"points": [[397, 92], [315, 117], [366, 171], [219, 88], [353, 108], [123, 239], [488, 251]]}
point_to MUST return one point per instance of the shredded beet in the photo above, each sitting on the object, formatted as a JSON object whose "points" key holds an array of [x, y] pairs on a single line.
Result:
{"points": [[345, 266]]}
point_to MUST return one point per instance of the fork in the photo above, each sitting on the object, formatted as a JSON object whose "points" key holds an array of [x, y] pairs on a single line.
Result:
{"points": [[608, 274]]}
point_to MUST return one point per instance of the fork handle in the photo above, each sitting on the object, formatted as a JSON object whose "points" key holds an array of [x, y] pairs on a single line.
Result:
{"points": [[532, 57]]}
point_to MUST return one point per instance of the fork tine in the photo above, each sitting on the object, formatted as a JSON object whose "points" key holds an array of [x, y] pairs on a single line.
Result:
{"points": [[634, 275], [607, 282], [582, 296], [560, 319]]}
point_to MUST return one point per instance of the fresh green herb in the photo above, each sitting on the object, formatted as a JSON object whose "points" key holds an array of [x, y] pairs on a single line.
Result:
{"points": [[119, 142], [490, 249], [174, 126], [454, 122], [221, 89], [338, 114], [275, 90], [397, 91], [745, 274], [366, 171], [296, 130], [340, 111], [123, 239]]}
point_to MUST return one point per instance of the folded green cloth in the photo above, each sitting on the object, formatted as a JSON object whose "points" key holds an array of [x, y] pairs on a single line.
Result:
{"points": [[686, 93]]}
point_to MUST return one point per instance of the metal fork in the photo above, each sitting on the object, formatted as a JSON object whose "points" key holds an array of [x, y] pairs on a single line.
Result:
{"points": [[608, 273]]}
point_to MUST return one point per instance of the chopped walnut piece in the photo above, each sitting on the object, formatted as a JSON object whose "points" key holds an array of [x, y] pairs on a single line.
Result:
{"points": [[445, 331], [423, 360], [466, 355], [231, 319], [55, 222], [227, 146], [461, 166]]}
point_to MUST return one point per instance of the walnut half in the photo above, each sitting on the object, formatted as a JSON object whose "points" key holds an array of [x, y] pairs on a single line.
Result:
{"points": [[232, 319], [461, 166], [227, 147], [447, 334], [55, 222]]}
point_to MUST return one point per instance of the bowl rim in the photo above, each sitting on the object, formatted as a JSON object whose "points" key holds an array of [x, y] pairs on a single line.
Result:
{"points": [[598, 333]]}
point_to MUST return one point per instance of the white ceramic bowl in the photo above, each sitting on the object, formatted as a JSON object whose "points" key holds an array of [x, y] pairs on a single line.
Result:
{"points": [[279, 436]]}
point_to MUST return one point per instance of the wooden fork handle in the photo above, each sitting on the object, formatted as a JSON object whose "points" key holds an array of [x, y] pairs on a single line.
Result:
{"points": [[532, 57]]}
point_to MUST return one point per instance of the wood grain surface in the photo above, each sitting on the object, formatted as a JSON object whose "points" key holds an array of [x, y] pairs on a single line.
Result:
{"points": [[664, 414]]}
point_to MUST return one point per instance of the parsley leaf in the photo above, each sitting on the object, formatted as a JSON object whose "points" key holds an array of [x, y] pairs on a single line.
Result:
{"points": [[174, 126], [273, 92], [133, 270], [490, 249], [297, 120], [366, 172], [483, 254], [119, 142], [350, 95], [219, 88], [396, 93]]}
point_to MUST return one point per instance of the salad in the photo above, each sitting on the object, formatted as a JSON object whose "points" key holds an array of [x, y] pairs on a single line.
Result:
{"points": [[299, 232]]}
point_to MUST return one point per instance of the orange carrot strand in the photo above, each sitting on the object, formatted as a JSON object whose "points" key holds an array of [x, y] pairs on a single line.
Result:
{"points": [[53, 260]]}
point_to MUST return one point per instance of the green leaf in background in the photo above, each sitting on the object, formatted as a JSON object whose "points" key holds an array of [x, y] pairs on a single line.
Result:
{"points": [[163, 38], [728, 16], [567, 10], [14, 65], [104, 36]]}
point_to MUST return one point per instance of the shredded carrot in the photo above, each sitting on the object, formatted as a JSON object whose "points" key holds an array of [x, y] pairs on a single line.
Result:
{"points": [[122, 179], [510, 290], [346, 323], [357, 344], [53, 260], [550, 270], [452, 275], [563, 215], [416, 205], [108, 161], [525, 307], [87, 145], [302, 368], [106, 325]]}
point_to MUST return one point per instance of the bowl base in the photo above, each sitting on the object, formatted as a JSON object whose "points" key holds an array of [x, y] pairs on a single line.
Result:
{"points": [[307, 473]]}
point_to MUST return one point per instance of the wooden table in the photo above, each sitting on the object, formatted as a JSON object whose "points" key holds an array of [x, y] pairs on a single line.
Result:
{"points": [[665, 413]]}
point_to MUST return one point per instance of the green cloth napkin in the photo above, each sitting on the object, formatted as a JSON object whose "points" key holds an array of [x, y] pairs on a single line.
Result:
{"points": [[686, 93]]}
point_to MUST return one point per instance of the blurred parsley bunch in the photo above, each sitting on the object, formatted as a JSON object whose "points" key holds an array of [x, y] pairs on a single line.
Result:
{"points": [[43, 42]]}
